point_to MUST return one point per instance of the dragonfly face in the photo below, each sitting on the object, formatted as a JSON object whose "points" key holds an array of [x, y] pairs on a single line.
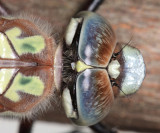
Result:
{"points": [[90, 70]]}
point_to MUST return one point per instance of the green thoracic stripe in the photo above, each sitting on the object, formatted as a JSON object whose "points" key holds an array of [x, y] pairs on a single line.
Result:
{"points": [[5, 77], [32, 44], [32, 85], [5, 49]]}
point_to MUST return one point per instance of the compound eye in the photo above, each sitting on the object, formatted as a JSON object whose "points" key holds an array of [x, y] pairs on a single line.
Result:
{"points": [[97, 40], [94, 97]]}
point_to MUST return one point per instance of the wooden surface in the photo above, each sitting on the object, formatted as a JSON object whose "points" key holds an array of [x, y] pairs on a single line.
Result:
{"points": [[139, 19]]}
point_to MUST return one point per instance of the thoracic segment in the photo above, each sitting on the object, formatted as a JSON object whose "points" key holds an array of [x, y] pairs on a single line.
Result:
{"points": [[32, 44], [5, 77], [24, 84], [22, 45], [5, 49]]}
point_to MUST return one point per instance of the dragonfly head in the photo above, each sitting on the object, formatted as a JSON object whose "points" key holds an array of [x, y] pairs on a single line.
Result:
{"points": [[96, 74]]}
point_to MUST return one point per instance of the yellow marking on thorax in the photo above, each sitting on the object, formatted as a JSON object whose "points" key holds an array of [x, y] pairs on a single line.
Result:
{"points": [[5, 49], [5, 77], [32, 44], [27, 84], [80, 66]]}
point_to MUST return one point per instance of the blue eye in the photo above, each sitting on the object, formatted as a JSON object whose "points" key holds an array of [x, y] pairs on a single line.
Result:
{"points": [[96, 40], [94, 96]]}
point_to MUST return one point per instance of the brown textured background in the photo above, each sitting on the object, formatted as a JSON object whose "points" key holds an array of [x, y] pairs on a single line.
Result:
{"points": [[139, 19]]}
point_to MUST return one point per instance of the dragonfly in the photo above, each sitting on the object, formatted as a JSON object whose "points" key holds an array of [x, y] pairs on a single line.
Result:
{"points": [[88, 70]]}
